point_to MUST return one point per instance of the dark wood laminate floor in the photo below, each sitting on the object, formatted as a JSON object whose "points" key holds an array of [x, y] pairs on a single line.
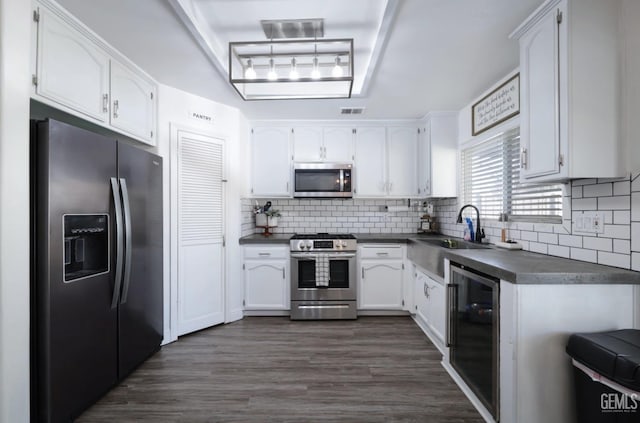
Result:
{"points": [[270, 369]]}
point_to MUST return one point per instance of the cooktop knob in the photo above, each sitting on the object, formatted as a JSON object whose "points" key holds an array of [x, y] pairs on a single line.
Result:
{"points": [[300, 245], [309, 245]]}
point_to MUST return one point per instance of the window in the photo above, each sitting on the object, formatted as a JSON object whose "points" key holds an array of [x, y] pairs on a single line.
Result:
{"points": [[491, 182]]}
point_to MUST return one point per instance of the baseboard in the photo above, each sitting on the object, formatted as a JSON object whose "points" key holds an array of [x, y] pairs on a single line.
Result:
{"points": [[234, 315], [383, 313], [248, 313], [437, 342]]}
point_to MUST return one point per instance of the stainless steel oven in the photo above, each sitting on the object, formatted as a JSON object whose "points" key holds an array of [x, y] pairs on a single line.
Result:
{"points": [[473, 332], [323, 276]]}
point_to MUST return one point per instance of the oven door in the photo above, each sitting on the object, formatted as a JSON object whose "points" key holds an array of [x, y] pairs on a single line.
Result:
{"points": [[342, 283]]}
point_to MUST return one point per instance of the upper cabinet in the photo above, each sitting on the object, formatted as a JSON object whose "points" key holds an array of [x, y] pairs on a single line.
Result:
{"points": [[76, 71], [570, 102], [317, 144], [270, 162], [438, 156], [386, 161]]}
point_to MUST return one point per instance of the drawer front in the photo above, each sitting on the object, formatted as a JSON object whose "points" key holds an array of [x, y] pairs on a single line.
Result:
{"points": [[266, 252], [381, 252]]}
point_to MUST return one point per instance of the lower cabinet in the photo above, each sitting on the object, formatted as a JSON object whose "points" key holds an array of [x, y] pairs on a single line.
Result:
{"points": [[380, 282], [266, 278], [430, 307]]}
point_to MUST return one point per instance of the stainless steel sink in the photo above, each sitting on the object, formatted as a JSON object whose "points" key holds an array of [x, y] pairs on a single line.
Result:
{"points": [[428, 253], [454, 244]]}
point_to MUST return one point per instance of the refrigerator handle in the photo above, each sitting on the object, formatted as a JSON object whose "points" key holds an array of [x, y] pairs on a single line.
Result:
{"points": [[127, 240], [117, 282]]}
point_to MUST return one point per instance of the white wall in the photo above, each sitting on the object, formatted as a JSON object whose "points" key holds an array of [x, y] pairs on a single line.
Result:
{"points": [[631, 80], [15, 35], [176, 107]]}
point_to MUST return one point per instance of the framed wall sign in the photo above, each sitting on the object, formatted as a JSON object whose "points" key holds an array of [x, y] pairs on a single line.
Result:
{"points": [[497, 106]]}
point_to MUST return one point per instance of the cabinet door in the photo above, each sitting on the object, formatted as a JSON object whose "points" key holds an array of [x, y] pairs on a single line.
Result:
{"points": [[266, 285], [539, 121], [270, 162], [369, 167], [338, 144], [424, 161], [436, 313], [307, 144], [132, 102], [380, 285], [402, 159], [420, 296], [71, 70]]}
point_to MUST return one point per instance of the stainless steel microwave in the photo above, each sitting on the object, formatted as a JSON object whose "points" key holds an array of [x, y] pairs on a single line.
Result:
{"points": [[322, 180]]}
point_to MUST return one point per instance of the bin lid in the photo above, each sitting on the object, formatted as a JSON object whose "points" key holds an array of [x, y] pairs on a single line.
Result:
{"points": [[614, 354]]}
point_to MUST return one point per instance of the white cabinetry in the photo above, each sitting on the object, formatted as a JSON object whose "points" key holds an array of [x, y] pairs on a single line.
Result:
{"points": [[266, 278], [380, 281], [570, 101], [71, 70], [315, 144], [430, 300], [270, 162], [438, 156], [76, 71], [402, 161], [386, 161], [370, 158], [132, 102]]}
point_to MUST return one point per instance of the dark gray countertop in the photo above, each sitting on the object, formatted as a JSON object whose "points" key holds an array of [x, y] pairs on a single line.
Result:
{"points": [[524, 267], [521, 267]]}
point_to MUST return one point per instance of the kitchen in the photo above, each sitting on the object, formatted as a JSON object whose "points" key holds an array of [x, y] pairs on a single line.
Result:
{"points": [[218, 111]]}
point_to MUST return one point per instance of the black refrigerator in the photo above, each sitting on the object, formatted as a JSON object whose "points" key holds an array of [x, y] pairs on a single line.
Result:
{"points": [[96, 265]]}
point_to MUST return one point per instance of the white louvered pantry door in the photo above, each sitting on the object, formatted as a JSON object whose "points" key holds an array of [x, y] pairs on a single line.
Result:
{"points": [[200, 232]]}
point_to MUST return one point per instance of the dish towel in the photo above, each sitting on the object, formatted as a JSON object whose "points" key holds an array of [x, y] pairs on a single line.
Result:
{"points": [[322, 269]]}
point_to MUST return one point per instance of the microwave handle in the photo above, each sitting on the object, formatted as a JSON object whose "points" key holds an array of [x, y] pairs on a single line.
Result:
{"points": [[342, 181]]}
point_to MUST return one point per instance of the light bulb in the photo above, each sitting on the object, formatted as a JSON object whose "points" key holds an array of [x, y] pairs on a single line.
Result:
{"points": [[293, 75], [272, 75], [337, 69], [250, 73], [315, 73]]}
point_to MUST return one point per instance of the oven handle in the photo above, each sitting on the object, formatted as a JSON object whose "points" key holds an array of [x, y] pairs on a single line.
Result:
{"points": [[311, 256], [452, 290]]}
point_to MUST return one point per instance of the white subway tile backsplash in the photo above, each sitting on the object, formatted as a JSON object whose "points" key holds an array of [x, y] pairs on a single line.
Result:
{"points": [[616, 231], [529, 236], [622, 188], [622, 217], [560, 251], [635, 261], [570, 240], [635, 182], [584, 255], [622, 246], [613, 259], [601, 244], [584, 204], [576, 192], [599, 190], [635, 236], [635, 206], [538, 247], [548, 238], [614, 203]]}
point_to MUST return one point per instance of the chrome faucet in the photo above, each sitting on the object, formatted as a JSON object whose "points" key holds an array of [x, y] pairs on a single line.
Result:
{"points": [[479, 232]]}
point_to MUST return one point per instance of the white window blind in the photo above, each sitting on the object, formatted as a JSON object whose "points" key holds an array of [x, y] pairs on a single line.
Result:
{"points": [[491, 182]]}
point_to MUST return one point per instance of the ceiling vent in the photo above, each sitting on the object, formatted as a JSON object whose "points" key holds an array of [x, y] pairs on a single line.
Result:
{"points": [[351, 110], [293, 28]]}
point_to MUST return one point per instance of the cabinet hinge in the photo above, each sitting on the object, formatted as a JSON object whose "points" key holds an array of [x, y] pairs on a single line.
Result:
{"points": [[402, 266], [243, 303], [292, 131], [353, 131], [151, 96], [559, 16], [34, 80], [252, 130], [151, 134], [418, 130], [561, 160], [224, 241], [403, 302], [36, 15], [251, 190]]}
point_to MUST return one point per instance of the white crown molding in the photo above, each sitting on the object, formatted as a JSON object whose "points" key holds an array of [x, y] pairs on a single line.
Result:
{"points": [[533, 19]]}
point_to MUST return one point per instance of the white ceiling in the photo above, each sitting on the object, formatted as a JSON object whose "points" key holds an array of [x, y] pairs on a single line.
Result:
{"points": [[412, 56]]}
